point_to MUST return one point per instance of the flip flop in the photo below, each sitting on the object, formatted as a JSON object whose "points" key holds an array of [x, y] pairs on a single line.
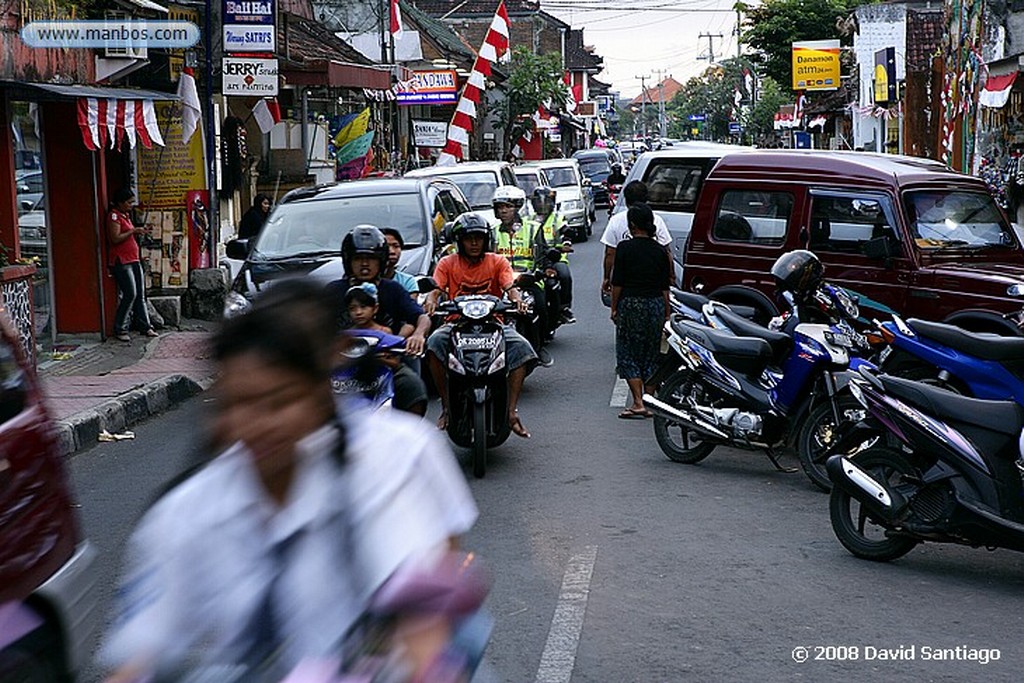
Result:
{"points": [[630, 414]]}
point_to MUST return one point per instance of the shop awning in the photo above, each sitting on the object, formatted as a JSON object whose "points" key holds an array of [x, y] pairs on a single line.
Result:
{"points": [[996, 90], [39, 92], [331, 74]]}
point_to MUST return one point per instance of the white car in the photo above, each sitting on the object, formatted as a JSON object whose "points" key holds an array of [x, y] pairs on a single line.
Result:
{"points": [[477, 179]]}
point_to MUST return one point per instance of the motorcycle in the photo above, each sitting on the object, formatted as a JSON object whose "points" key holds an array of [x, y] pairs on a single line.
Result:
{"points": [[365, 377], [757, 391], [477, 375], [955, 479], [613, 196]]}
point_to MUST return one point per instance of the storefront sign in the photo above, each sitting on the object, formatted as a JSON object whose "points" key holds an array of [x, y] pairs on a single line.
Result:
{"points": [[816, 65], [885, 76], [249, 25], [249, 76], [430, 133], [586, 109], [430, 87], [176, 57]]}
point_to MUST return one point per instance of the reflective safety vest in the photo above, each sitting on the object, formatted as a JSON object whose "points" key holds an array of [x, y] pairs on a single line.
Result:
{"points": [[519, 248], [552, 229]]}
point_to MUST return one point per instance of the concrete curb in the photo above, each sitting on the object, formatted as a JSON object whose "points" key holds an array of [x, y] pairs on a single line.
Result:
{"points": [[82, 430]]}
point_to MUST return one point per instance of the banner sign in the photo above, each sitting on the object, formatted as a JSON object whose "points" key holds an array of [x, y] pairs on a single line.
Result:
{"points": [[248, 76], [816, 65], [885, 76], [430, 133], [249, 25], [429, 87]]}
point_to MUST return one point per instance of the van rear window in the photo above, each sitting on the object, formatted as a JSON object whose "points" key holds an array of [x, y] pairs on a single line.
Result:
{"points": [[754, 217], [673, 185]]}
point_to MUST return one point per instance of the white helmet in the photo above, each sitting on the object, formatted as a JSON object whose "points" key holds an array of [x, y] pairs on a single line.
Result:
{"points": [[509, 194]]}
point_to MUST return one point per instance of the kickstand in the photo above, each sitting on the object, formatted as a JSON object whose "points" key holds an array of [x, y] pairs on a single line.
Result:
{"points": [[775, 461]]}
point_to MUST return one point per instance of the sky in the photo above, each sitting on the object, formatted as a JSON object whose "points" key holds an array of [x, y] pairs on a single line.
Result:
{"points": [[643, 36]]}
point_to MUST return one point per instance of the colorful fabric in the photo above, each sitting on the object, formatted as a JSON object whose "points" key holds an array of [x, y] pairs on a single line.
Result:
{"points": [[638, 336], [354, 129], [108, 122], [355, 149]]}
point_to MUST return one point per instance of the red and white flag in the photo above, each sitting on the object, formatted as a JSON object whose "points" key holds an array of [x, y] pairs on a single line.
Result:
{"points": [[494, 47], [396, 21], [190, 108], [267, 114], [106, 123]]}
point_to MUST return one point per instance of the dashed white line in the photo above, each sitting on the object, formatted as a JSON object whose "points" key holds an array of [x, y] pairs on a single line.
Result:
{"points": [[559, 658], [620, 393]]}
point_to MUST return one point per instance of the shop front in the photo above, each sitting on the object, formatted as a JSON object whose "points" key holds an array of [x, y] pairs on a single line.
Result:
{"points": [[1000, 138]]}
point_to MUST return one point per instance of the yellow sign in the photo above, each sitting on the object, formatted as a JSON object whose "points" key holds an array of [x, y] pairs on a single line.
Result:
{"points": [[881, 83], [167, 173], [176, 57], [816, 65]]}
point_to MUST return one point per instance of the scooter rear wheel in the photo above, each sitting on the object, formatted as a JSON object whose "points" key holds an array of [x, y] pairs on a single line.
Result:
{"points": [[479, 441]]}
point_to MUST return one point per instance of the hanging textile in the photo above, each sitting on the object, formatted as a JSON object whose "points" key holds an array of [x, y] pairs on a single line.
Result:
{"points": [[996, 91], [105, 123]]}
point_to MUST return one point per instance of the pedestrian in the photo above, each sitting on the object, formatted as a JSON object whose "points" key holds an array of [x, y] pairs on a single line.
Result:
{"points": [[640, 283], [126, 266], [263, 559], [253, 219], [617, 230]]}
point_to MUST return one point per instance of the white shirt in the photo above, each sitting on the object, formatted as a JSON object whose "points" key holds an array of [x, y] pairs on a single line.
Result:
{"points": [[618, 230], [199, 563]]}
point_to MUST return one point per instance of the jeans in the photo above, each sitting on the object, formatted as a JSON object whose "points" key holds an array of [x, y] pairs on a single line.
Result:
{"points": [[132, 290]]}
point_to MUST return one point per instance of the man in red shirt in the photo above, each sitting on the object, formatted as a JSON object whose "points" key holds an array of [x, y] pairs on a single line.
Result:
{"points": [[472, 270]]}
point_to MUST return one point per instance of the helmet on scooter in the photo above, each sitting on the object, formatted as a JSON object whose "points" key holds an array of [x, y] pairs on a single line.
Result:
{"points": [[798, 272], [364, 240], [471, 224], [543, 200], [508, 194]]}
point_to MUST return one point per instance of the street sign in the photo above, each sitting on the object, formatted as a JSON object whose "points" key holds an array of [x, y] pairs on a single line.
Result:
{"points": [[698, 117], [735, 128], [249, 77], [249, 26]]}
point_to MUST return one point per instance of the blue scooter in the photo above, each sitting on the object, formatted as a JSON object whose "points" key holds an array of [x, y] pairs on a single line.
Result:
{"points": [[365, 379]]}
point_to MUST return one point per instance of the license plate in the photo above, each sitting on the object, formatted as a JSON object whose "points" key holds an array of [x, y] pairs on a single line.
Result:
{"points": [[476, 343], [840, 339]]}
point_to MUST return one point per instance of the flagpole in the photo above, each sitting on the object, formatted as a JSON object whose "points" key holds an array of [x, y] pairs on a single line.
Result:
{"points": [[211, 167]]}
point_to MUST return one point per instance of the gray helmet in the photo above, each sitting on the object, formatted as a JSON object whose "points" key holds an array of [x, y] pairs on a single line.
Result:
{"points": [[543, 200]]}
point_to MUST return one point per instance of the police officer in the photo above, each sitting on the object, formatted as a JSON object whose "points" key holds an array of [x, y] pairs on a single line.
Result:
{"points": [[552, 226]]}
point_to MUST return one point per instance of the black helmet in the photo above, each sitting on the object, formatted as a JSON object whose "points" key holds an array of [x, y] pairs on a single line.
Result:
{"points": [[471, 224], [799, 272], [365, 240], [543, 200]]}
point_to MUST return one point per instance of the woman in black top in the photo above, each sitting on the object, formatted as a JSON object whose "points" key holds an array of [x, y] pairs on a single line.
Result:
{"points": [[253, 220], [640, 281]]}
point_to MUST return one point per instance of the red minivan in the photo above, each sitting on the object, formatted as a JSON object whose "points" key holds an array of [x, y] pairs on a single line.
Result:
{"points": [[910, 233], [48, 607]]}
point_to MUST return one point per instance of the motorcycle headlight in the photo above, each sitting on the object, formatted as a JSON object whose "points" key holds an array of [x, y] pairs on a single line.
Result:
{"points": [[476, 309], [847, 304], [235, 304]]}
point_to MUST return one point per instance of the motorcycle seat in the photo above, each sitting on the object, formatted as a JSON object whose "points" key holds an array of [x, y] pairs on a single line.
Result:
{"points": [[780, 342], [984, 346], [1002, 417], [743, 354], [689, 299]]}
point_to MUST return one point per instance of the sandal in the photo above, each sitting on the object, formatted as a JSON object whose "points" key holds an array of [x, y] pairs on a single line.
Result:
{"points": [[631, 414], [151, 333], [123, 336], [516, 425]]}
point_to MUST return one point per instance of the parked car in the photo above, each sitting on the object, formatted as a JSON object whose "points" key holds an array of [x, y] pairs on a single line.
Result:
{"points": [[48, 574], [674, 178], [596, 166], [477, 179], [303, 233], [29, 188], [575, 200], [32, 233], [909, 233]]}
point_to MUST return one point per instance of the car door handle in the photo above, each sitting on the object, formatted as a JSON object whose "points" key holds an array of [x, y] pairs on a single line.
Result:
{"points": [[924, 294]]}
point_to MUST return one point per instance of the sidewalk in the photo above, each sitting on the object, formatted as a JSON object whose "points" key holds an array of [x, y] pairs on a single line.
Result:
{"points": [[94, 387]]}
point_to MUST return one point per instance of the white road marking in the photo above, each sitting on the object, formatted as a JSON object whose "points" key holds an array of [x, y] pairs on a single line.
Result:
{"points": [[620, 393], [559, 658]]}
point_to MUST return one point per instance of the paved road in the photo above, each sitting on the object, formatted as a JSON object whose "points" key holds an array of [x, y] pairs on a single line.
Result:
{"points": [[667, 572]]}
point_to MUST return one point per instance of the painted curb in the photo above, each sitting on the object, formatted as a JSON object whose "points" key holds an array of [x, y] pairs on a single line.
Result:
{"points": [[82, 430]]}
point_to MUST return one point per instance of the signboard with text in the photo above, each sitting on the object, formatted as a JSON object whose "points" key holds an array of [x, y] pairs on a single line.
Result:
{"points": [[249, 26], [430, 133], [816, 65], [249, 76], [429, 87]]}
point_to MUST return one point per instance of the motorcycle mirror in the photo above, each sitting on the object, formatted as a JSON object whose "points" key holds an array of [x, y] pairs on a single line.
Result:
{"points": [[425, 285]]}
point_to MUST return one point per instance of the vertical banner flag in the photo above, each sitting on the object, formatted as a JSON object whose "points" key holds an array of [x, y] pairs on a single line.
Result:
{"points": [[190, 108], [267, 114], [495, 45], [396, 21]]}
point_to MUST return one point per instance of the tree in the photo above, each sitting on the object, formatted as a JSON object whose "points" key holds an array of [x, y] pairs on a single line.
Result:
{"points": [[712, 97], [534, 81], [770, 97], [773, 26]]}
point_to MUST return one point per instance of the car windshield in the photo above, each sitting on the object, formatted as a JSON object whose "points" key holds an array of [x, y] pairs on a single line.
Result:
{"points": [[941, 219], [596, 168], [562, 177], [315, 227], [478, 187], [528, 182]]}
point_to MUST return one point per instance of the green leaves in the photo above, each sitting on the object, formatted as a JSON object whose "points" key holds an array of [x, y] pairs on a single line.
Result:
{"points": [[534, 81]]}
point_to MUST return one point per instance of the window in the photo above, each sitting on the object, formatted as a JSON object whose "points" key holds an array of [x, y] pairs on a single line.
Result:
{"points": [[674, 185], [478, 186], [941, 219], [845, 223], [563, 176], [12, 383], [752, 216], [527, 181], [508, 177]]}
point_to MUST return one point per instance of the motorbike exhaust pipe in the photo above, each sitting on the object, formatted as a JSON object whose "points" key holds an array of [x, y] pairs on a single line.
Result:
{"points": [[675, 414], [850, 478]]}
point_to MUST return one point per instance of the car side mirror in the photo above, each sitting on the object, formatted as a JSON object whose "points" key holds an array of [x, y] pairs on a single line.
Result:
{"points": [[237, 249], [26, 206], [425, 285], [880, 248], [587, 182]]}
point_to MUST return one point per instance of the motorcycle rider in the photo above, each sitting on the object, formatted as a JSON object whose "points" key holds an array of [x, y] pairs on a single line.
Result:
{"points": [[396, 243], [517, 241], [364, 253], [472, 270], [616, 177], [552, 224]]}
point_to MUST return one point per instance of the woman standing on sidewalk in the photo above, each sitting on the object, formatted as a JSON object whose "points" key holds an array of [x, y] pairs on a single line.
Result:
{"points": [[126, 266]]}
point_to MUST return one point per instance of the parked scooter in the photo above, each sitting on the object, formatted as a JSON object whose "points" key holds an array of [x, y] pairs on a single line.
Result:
{"points": [[477, 375], [956, 479]]}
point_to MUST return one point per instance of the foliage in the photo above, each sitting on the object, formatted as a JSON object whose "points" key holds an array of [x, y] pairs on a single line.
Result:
{"points": [[773, 26], [534, 81], [713, 96], [770, 97]]}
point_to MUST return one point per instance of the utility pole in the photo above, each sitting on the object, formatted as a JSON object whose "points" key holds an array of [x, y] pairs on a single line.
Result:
{"points": [[662, 128], [643, 104], [710, 56], [739, 34]]}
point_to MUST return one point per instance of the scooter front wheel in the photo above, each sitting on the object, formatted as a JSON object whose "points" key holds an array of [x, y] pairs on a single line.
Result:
{"points": [[678, 442], [479, 441]]}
